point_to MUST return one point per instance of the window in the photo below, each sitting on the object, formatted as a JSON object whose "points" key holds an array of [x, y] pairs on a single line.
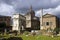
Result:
{"points": [[47, 23]]}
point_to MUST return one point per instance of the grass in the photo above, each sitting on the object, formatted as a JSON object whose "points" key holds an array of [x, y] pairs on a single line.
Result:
{"points": [[40, 37], [37, 37]]}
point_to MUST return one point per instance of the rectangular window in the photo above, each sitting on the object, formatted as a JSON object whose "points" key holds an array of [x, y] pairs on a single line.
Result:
{"points": [[47, 23]]}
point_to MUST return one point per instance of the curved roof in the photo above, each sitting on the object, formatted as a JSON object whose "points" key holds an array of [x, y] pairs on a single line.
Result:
{"points": [[30, 11]]}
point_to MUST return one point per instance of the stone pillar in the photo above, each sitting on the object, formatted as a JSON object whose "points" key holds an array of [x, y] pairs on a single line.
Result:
{"points": [[41, 20]]}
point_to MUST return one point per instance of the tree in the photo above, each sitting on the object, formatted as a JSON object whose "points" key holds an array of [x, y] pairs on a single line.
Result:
{"points": [[2, 26]]}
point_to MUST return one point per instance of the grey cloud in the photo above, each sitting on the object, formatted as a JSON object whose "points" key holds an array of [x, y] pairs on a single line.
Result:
{"points": [[34, 3], [23, 5], [6, 9]]}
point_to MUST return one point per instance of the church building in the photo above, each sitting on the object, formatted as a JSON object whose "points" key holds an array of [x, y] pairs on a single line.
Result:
{"points": [[49, 22], [32, 22]]}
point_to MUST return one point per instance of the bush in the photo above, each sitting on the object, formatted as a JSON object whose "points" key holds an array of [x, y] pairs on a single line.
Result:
{"points": [[15, 38], [4, 39], [26, 32]]}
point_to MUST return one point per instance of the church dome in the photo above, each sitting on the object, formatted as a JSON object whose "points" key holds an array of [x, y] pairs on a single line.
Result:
{"points": [[30, 11]]}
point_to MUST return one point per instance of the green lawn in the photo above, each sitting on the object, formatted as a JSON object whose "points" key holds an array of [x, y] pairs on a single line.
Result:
{"points": [[39, 37]]}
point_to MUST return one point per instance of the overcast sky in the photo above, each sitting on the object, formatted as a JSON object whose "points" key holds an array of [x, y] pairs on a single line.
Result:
{"points": [[9, 7]]}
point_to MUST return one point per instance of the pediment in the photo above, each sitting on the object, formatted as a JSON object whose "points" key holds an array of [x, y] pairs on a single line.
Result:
{"points": [[48, 15]]}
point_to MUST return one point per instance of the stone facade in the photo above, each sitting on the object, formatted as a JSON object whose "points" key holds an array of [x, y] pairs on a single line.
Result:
{"points": [[5, 23], [50, 22], [18, 22], [5, 19], [32, 22]]}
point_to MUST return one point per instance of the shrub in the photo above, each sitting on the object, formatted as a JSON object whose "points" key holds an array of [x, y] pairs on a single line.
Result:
{"points": [[26, 32], [15, 38]]}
